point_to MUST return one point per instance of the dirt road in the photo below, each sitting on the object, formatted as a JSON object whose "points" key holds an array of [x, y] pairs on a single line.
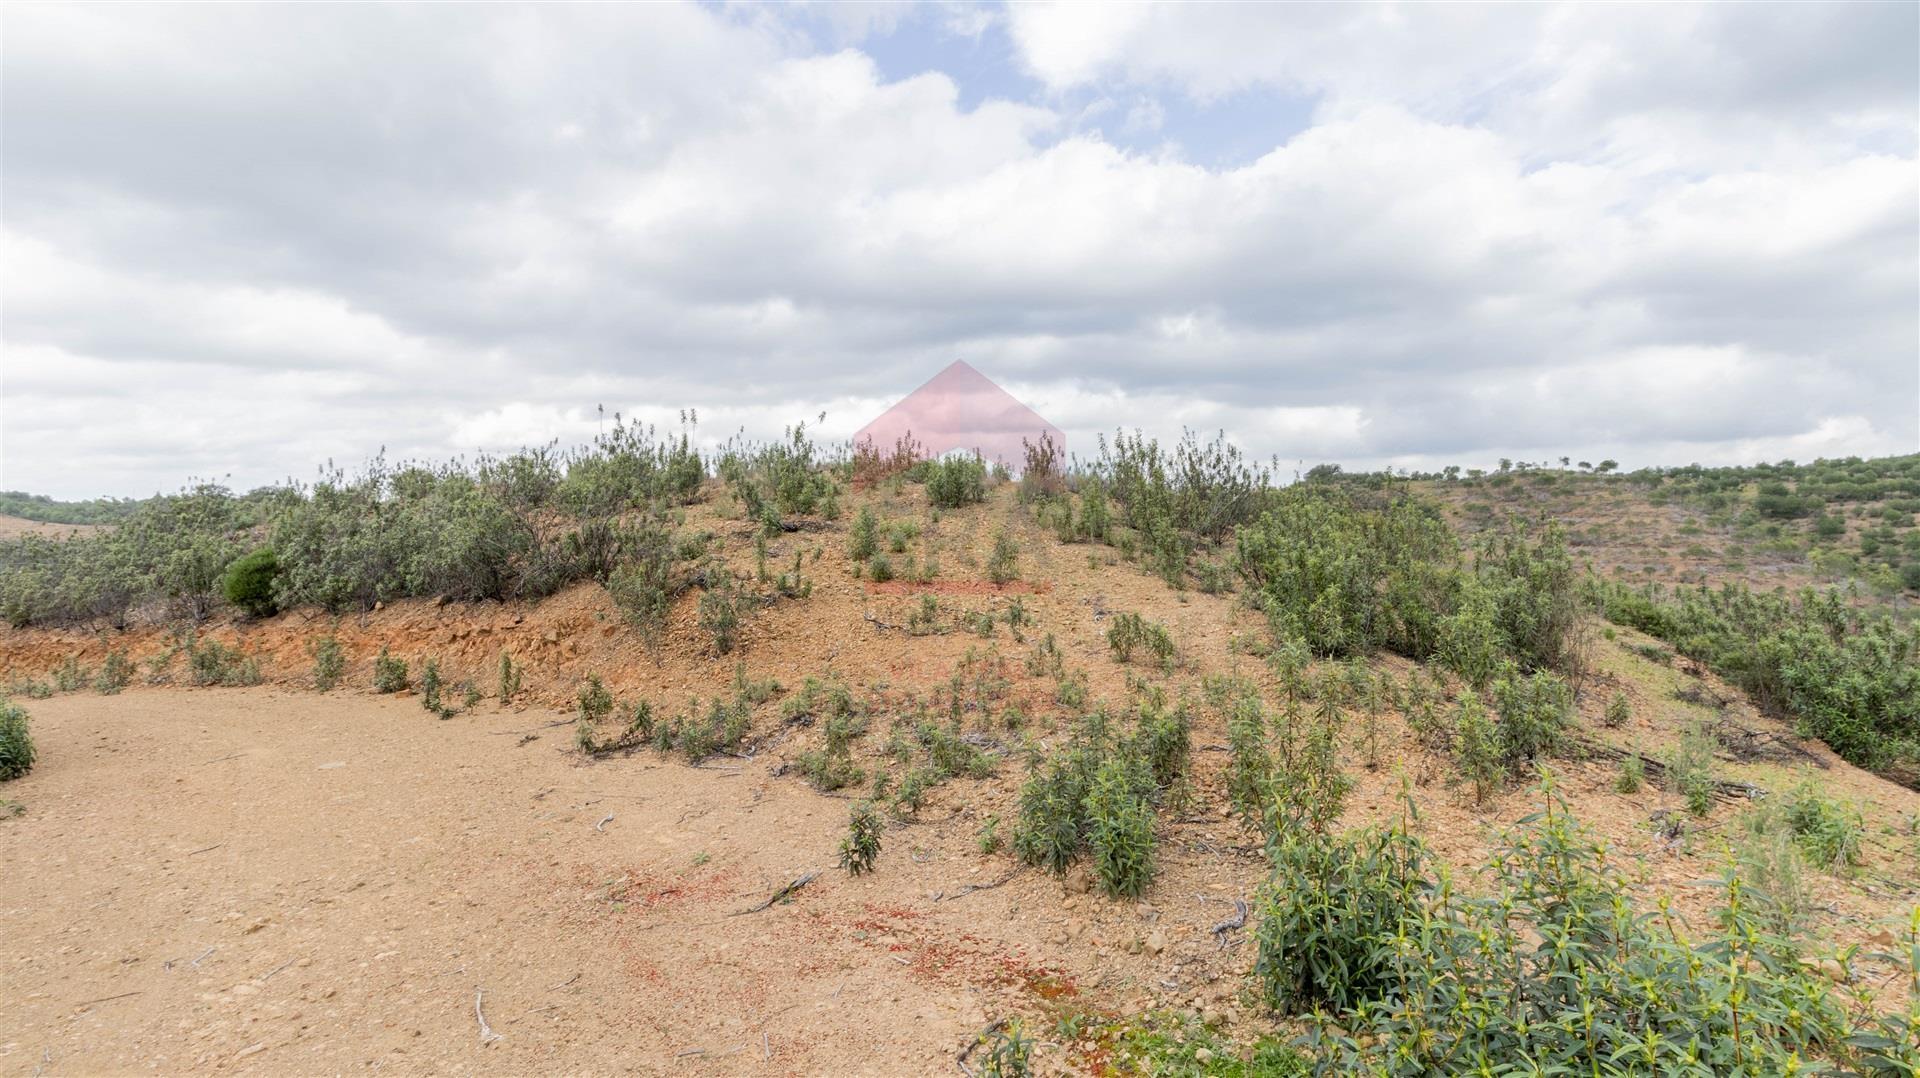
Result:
{"points": [[255, 881]]}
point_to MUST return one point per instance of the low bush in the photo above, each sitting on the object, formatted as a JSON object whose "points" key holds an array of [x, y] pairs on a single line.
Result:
{"points": [[248, 583], [16, 741], [861, 848], [209, 662], [1553, 967], [1004, 565], [389, 672], [956, 481], [1829, 831], [1131, 632], [116, 673], [1690, 769], [329, 663], [863, 538], [507, 684], [1120, 826]]}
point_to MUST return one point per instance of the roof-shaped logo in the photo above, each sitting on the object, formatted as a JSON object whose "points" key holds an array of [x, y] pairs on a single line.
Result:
{"points": [[960, 408]]}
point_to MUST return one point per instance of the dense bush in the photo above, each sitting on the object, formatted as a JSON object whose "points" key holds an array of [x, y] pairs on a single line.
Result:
{"points": [[1098, 795], [956, 481], [1550, 972], [1850, 676], [249, 582], [16, 741]]}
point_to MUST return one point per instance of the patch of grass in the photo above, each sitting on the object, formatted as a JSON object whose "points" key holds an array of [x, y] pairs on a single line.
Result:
{"points": [[116, 673]]}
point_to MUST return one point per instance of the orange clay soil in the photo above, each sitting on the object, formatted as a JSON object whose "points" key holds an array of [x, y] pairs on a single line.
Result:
{"points": [[288, 882]]}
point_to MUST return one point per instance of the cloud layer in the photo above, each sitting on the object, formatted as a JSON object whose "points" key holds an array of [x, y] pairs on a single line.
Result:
{"points": [[241, 241]]}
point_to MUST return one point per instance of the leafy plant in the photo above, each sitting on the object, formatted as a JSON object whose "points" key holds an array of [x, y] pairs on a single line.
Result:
{"points": [[249, 582], [507, 686], [1130, 632], [956, 481], [1690, 771], [863, 538], [1120, 826], [389, 672], [1004, 564], [329, 663], [16, 741], [116, 673], [1618, 710], [861, 848]]}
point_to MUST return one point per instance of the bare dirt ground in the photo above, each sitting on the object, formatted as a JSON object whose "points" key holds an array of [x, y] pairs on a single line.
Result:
{"points": [[258, 881], [288, 882], [12, 527]]}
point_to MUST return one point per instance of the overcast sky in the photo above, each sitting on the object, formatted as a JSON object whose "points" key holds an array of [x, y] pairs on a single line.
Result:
{"points": [[241, 241]]}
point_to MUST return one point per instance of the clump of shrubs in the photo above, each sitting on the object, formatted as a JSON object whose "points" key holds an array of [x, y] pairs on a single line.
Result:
{"points": [[329, 663], [116, 673], [16, 741], [1130, 633], [389, 672], [1098, 796], [956, 481], [209, 662], [1396, 973]]}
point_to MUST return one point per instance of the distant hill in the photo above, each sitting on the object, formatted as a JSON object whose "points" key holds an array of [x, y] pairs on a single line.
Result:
{"points": [[39, 507]]}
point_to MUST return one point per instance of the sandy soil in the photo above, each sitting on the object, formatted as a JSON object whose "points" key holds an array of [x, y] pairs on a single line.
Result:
{"points": [[14, 527], [280, 883]]}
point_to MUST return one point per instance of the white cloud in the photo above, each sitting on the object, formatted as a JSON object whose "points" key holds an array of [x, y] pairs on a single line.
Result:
{"points": [[1598, 228]]}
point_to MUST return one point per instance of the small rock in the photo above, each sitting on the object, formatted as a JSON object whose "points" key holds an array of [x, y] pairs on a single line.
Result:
{"points": [[1156, 941], [251, 1050], [1203, 1056], [257, 925], [1079, 881]]}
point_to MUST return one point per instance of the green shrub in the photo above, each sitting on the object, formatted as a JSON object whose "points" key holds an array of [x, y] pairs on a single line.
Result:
{"points": [[722, 607], [1533, 710], [1325, 911], [69, 676], [1690, 771], [249, 582], [863, 539], [1632, 774], [956, 481], [861, 848], [1618, 710], [16, 741], [1120, 827], [430, 687], [389, 672], [507, 685], [1829, 831], [1004, 565], [1249, 765], [1009, 1052], [880, 568], [116, 673], [1479, 747], [210, 662], [1552, 966], [594, 701], [329, 663], [1131, 632]]}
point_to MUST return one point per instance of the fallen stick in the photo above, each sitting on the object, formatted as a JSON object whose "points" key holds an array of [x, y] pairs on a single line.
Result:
{"points": [[104, 999], [979, 1039], [203, 954], [972, 887], [782, 893], [277, 969], [563, 984], [206, 849], [604, 821], [690, 1052], [487, 1035]]}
